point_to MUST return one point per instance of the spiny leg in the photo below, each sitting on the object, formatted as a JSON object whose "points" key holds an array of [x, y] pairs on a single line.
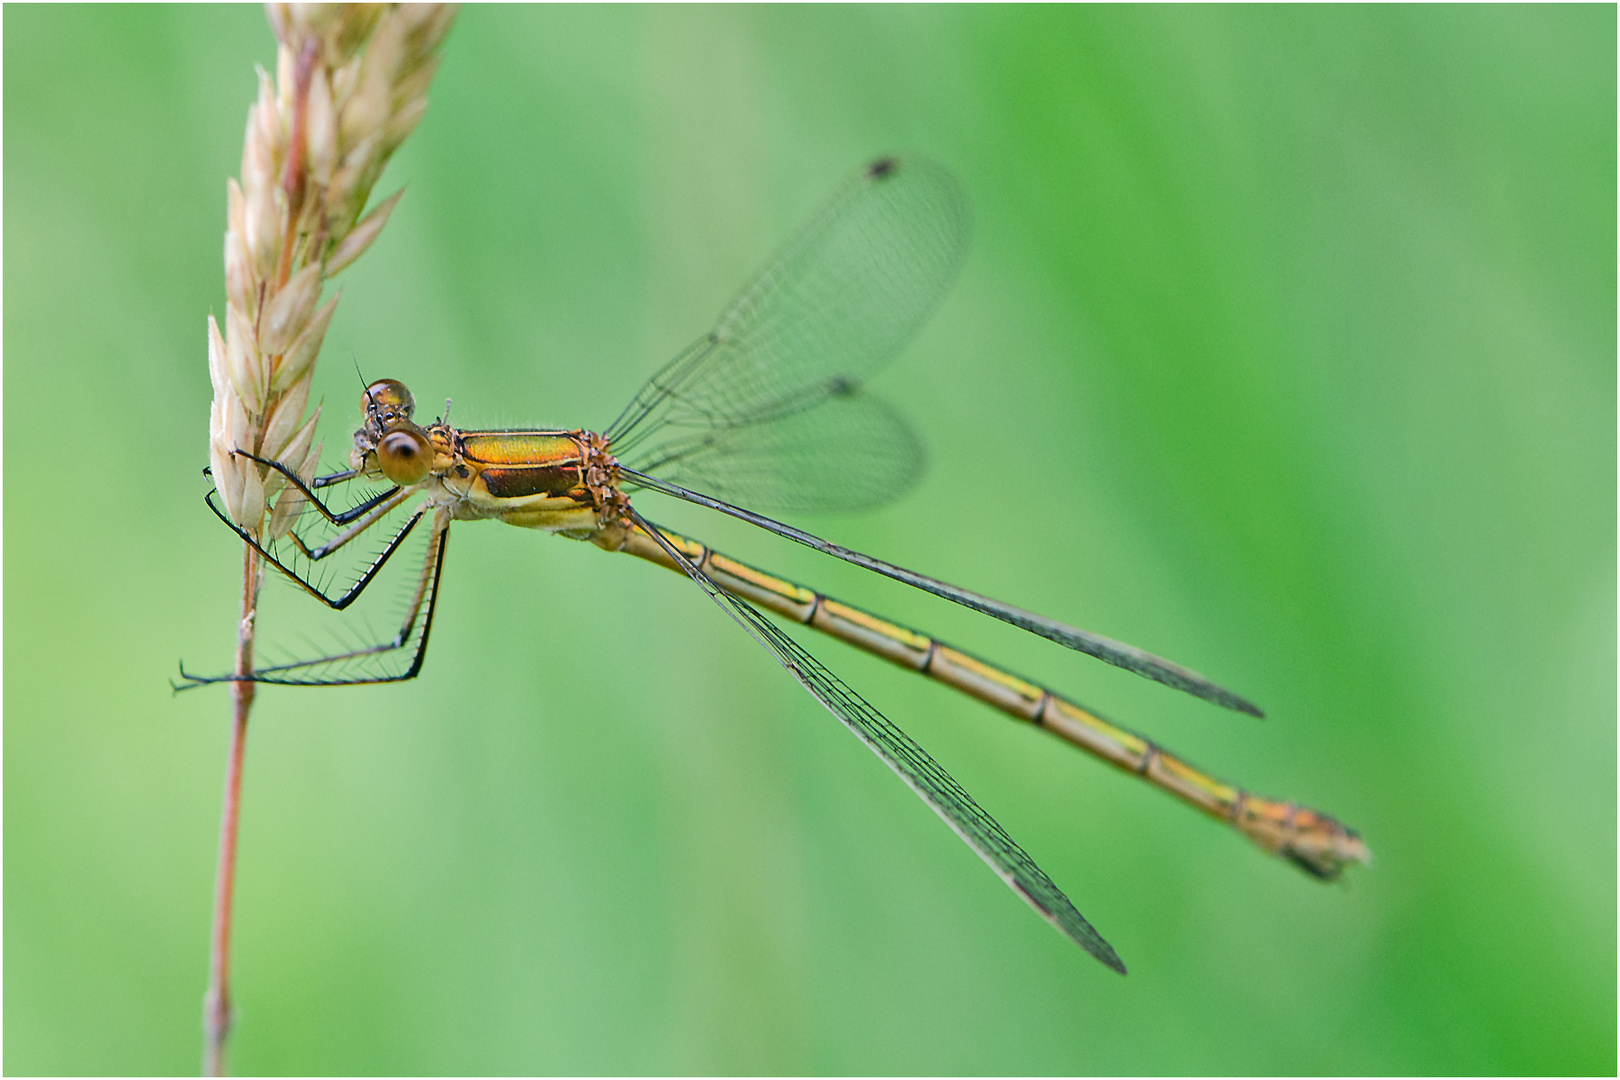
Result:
{"points": [[376, 509], [349, 595], [424, 601], [365, 513], [342, 517]]}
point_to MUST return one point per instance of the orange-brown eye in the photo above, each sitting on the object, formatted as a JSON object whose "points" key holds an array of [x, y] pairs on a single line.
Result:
{"points": [[388, 400], [404, 456]]}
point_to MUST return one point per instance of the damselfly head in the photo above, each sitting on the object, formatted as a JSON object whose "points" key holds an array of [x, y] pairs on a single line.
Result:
{"points": [[386, 401], [388, 442]]}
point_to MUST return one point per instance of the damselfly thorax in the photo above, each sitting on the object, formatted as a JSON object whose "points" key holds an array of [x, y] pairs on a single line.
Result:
{"points": [[562, 481]]}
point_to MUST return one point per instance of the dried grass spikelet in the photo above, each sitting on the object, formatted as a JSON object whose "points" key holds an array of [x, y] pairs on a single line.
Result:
{"points": [[351, 83]]}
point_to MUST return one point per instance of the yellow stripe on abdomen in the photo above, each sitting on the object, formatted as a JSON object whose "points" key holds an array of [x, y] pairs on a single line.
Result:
{"points": [[1314, 841]]}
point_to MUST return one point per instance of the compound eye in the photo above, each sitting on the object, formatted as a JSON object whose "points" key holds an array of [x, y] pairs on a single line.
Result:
{"points": [[388, 399], [404, 456]]}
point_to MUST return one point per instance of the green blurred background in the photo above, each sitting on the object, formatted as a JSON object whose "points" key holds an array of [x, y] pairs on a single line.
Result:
{"points": [[1286, 348]]}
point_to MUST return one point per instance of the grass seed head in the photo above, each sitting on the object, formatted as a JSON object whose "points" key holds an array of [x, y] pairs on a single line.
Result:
{"points": [[351, 83]]}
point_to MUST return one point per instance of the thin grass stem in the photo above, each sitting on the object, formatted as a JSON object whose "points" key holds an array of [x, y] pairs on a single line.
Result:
{"points": [[351, 84]]}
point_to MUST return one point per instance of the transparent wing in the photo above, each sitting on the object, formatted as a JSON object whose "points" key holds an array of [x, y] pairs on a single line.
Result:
{"points": [[1107, 649], [912, 763], [853, 453], [837, 302]]}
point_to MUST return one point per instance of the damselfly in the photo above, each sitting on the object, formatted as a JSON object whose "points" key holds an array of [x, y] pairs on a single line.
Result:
{"points": [[766, 410]]}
